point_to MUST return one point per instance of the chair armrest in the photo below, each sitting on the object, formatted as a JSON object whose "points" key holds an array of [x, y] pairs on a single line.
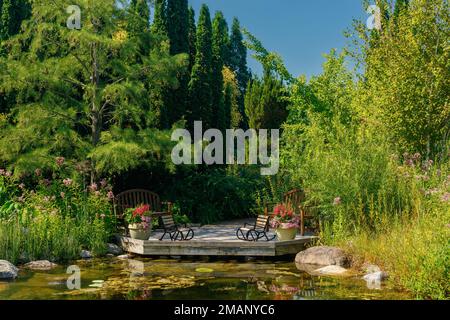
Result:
{"points": [[250, 224], [160, 214], [169, 206]]}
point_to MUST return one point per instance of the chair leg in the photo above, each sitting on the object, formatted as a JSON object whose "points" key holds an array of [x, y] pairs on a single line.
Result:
{"points": [[240, 235], [161, 239], [178, 234], [190, 235], [267, 237], [254, 235]]}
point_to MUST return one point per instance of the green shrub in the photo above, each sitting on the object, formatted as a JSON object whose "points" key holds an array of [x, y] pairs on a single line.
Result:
{"points": [[385, 209], [55, 219]]}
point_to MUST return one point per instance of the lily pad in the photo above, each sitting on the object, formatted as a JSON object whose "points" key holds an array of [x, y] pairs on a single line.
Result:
{"points": [[204, 270], [98, 281]]}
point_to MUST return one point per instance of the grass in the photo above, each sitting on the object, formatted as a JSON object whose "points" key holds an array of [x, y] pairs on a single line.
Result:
{"points": [[414, 251], [50, 237]]}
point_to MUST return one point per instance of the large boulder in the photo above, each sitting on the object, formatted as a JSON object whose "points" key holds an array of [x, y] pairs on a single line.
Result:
{"points": [[42, 265], [114, 249], [7, 270], [85, 254], [323, 256]]}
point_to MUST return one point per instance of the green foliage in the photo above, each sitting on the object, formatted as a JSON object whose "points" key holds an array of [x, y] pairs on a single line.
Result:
{"points": [[159, 25], [178, 33], [139, 20], [12, 13], [237, 62], [266, 103], [407, 79], [209, 196], [328, 94], [53, 218], [200, 84], [272, 62], [220, 45], [178, 26], [192, 38], [95, 79], [233, 116]]}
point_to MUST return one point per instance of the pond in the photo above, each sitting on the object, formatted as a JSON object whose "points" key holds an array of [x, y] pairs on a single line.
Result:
{"points": [[196, 278]]}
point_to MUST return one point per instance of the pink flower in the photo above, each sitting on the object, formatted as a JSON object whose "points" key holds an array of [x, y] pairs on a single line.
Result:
{"points": [[103, 183], [110, 195], [337, 201], [8, 174], [38, 172], [62, 195], [60, 161], [67, 182], [21, 186], [2, 172], [445, 197], [93, 187], [102, 216]]}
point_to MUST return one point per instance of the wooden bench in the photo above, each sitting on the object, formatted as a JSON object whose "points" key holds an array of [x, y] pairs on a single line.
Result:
{"points": [[136, 197], [294, 200]]}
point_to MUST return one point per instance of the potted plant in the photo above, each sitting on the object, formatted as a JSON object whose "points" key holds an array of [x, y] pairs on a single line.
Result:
{"points": [[139, 222], [285, 222]]}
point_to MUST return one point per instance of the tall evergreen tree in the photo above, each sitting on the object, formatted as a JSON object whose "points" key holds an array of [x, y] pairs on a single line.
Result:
{"points": [[220, 47], [178, 26], [192, 38], [233, 117], [178, 32], [139, 20], [238, 62], [265, 103], [159, 25], [200, 84]]}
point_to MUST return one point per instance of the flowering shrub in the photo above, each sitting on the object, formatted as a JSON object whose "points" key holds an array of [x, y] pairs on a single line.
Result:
{"points": [[139, 215], [284, 218], [51, 214]]}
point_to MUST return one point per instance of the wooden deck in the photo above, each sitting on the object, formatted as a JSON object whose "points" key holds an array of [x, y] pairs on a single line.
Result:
{"points": [[214, 240]]}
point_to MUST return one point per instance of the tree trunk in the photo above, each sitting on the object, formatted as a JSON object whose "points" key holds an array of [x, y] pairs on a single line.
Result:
{"points": [[96, 116]]}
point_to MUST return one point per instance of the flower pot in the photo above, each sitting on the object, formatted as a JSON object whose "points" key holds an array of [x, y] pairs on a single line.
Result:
{"points": [[138, 232], [284, 234]]}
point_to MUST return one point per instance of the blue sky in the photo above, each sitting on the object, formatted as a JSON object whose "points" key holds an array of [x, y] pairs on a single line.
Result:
{"points": [[300, 30]]}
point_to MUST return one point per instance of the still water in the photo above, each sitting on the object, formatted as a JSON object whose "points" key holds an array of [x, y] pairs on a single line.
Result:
{"points": [[140, 279]]}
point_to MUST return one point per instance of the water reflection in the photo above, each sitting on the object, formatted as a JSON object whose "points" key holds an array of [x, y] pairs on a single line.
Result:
{"points": [[142, 279]]}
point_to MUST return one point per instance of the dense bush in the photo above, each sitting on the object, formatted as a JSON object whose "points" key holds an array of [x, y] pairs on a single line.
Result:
{"points": [[387, 209]]}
